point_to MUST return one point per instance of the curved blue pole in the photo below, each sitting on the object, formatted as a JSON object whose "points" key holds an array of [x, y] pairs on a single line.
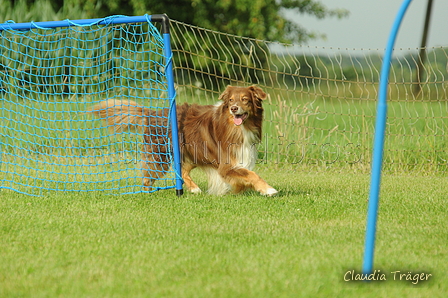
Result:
{"points": [[173, 114], [380, 128]]}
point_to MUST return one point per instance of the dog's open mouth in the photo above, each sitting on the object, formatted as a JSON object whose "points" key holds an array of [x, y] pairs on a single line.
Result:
{"points": [[239, 119]]}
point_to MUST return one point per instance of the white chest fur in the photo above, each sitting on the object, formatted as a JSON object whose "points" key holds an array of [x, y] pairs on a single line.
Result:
{"points": [[246, 153]]}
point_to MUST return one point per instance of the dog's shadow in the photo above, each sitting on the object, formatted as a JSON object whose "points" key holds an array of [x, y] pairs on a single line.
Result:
{"points": [[201, 180], [252, 193], [291, 192]]}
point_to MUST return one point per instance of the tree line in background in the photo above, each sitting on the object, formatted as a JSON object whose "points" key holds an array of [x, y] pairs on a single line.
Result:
{"points": [[364, 68], [261, 19], [256, 20]]}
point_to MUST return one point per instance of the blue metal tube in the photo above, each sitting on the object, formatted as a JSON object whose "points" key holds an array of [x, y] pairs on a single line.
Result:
{"points": [[173, 113], [380, 128], [69, 23]]}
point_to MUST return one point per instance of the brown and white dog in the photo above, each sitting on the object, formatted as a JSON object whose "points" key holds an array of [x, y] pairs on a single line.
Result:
{"points": [[219, 138]]}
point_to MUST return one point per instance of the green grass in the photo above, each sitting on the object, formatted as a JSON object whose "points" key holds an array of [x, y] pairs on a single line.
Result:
{"points": [[298, 244]]}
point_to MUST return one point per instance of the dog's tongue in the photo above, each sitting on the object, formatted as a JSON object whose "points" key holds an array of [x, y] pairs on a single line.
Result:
{"points": [[237, 121]]}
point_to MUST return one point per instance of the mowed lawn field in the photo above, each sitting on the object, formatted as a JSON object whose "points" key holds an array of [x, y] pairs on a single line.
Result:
{"points": [[300, 243]]}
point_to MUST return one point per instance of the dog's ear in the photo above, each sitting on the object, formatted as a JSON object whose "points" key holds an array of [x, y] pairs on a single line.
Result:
{"points": [[225, 95], [257, 92]]}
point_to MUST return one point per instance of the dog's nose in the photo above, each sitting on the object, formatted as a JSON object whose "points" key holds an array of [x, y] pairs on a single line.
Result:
{"points": [[234, 109]]}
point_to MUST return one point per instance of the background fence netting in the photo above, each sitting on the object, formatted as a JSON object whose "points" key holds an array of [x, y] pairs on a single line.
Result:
{"points": [[320, 113], [49, 78]]}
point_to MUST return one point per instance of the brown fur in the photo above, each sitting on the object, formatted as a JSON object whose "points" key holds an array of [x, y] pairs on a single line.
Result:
{"points": [[210, 137]]}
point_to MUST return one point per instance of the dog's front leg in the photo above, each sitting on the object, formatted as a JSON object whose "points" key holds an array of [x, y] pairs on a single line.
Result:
{"points": [[189, 183], [241, 179]]}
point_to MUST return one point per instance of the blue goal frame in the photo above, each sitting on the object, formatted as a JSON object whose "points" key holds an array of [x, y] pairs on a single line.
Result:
{"points": [[113, 20]]}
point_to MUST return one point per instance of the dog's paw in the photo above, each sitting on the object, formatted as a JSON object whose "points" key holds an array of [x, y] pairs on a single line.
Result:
{"points": [[270, 192], [196, 190]]}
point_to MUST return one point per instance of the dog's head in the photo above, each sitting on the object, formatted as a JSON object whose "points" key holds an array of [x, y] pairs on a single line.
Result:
{"points": [[243, 103]]}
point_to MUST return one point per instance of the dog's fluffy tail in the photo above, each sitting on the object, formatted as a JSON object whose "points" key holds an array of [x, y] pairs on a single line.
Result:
{"points": [[121, 115]]}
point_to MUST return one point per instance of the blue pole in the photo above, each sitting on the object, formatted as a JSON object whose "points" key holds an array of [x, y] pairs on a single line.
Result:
{"points": [[165, 21], [173, 113], [69, 23], [380, 128]]}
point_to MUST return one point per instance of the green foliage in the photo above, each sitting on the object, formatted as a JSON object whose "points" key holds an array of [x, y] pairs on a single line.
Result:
{"points": [[251, 18], [41, 10], [256, 19]]}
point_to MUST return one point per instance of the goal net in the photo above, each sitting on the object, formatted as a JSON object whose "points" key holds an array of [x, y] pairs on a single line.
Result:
{"points": [[51, 73]]}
